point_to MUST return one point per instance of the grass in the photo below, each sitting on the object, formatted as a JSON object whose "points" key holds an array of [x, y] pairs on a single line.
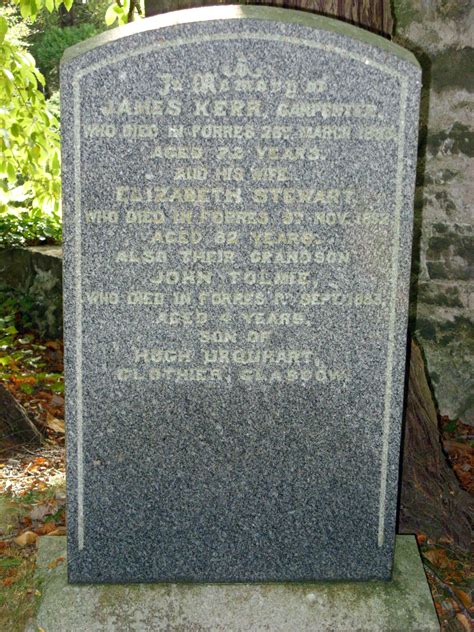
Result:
{"points": [[19, 588]]}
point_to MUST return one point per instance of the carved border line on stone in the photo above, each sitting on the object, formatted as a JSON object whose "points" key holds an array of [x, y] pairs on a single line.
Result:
{"points": [[394, 255]]}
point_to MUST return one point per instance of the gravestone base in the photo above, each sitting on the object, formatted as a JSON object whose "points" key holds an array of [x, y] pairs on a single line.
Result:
{"points": [[401, 605]]}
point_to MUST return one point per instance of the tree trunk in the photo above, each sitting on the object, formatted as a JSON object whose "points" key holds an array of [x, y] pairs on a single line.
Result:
{"points": [[431, 499], [374, 15], [15, 425], [66, 18]]}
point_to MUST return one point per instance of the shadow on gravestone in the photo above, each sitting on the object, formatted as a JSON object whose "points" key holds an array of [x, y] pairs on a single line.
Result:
{"points": [[237, 240]]}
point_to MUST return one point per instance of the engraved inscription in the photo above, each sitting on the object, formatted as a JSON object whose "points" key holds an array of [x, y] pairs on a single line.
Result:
{"points": [[225, 237]]}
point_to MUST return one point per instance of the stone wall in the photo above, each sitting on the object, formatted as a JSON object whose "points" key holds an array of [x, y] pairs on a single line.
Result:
{"points": [[441, 33], [35, 275]]}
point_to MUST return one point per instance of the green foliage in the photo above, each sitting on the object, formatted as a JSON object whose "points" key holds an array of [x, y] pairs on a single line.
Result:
{"points": [[117, 12], [29, 146], [14, 315], [30, 187], [31, 8], [53, 104], [49, 47], [123, 11], [27, 227], [22, 353]]}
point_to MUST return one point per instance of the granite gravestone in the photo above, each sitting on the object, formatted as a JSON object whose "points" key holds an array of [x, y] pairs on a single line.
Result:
{"points": [[238, 189]]}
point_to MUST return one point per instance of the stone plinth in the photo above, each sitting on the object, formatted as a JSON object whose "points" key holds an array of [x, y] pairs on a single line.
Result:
{"points": [[401, 605]]}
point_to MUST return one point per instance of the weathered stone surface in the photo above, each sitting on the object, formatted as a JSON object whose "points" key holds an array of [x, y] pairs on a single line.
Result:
{"points": [[238, 202], [440, 34], [401, 605], [35, 275]]}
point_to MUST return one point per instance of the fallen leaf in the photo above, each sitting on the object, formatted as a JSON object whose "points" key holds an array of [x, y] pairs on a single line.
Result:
{"points": [[53, 344], [446, 539], [23, 379], [57, 401], [463, 620], [58, 531], [40, 511], [46, 529], [8, 581], [439, 558], [26, 538], [454, 577], [43, 395], [55, 562], [55, 424], [464, 597]]}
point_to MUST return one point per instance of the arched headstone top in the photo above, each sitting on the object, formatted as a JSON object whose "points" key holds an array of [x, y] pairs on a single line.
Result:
{"points": [[244, 13]]}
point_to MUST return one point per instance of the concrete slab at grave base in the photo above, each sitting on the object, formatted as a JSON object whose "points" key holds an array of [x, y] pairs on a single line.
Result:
{"points": [[401, 605]]}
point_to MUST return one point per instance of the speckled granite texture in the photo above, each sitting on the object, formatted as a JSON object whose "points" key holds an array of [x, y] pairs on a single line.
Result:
{"points": [[238, 216], [401, 605]]}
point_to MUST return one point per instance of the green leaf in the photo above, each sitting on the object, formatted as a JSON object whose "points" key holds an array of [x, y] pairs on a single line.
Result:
{"points": [[3, 28], [5, 360], [8, 74], [11, 171], [111, 15], [55, 162], [34, 8], [68, 4], [450, 427], [25, 9], [27, 388], [26, 340]]}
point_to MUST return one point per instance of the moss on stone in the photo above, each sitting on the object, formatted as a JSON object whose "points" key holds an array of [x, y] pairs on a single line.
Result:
{"points": [[448, 297], [446, 203], [450, 256], [288, 606], [425, 329], [457, 139], [442, 177], [460, 324], [404, 12], [458, 331], [434, 377], [452, 68], [453, 9], [447, 271]]}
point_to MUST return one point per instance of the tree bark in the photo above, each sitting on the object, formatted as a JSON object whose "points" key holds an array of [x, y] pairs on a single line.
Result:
{"points": [[66, 18], [431, 499], [15, 425], [374, 15]]}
